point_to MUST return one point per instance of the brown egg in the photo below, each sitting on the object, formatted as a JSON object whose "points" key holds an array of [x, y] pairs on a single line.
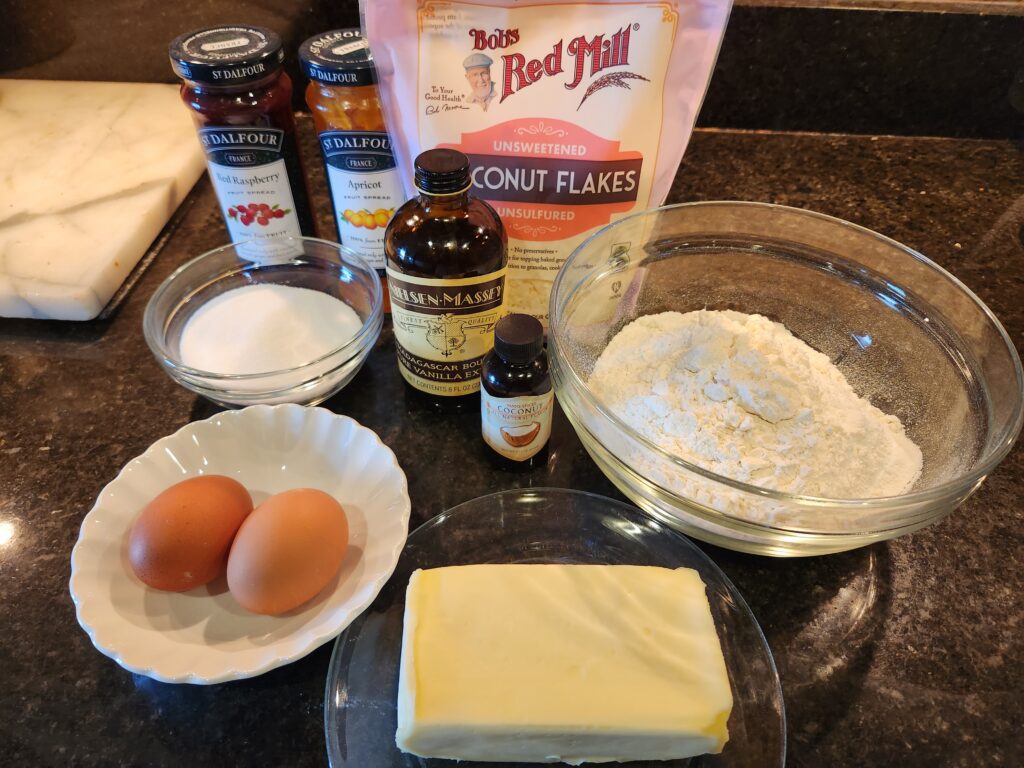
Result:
{"points": [[287, 550], [182, 538]]}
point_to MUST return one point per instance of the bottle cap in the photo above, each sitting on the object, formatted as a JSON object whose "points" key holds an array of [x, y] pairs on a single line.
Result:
{"points": [[341, 57], [518, 339], [442, 172], [226, 55]]}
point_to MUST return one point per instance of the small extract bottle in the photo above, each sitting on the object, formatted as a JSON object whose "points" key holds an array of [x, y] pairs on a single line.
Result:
{"points": [[446, 263], [516, 400]]}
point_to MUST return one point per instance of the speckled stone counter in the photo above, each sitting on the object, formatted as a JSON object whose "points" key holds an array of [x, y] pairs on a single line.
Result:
{"points": [[907, 653]]}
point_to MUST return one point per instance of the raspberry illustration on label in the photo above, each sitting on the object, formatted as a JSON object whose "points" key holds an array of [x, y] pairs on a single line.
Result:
{"points": [[261, 213]]}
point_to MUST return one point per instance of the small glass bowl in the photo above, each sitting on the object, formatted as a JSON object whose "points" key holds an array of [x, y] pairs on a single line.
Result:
{"points": [[299, 262], [543, 525], [906, 334]]}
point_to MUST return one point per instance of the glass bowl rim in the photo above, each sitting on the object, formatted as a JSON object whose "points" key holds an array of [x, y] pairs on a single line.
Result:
{"points": [[985, 464], [219, 391], [350, 349]]}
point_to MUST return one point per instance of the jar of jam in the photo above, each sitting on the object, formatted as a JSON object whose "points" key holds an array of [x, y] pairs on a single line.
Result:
{"points": [[241, 102], [366, 187]]}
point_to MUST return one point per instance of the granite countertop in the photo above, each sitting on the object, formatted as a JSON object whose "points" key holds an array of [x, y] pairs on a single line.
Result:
{"points": [[905, 653]]}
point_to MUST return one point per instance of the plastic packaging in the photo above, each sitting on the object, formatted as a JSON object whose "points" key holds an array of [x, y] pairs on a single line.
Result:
{"points": [[573, 114]]}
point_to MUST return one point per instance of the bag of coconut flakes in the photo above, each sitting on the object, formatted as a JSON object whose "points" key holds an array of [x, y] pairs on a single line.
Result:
{"points": [[573, 114]]}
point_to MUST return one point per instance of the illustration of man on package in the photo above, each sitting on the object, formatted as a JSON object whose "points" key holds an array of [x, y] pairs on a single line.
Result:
{"points": [[478, 75]]}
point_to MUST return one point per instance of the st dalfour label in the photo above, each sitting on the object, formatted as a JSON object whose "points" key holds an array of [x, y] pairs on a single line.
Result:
{"points": [[486, 76], [251, 181], [366, 188], [444, 328], [516, 427]]}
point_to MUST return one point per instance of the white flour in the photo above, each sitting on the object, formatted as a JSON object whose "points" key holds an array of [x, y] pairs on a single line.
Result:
{"points": [[741, 396]]}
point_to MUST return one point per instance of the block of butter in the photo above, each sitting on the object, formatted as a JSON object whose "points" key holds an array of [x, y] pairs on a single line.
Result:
{"points": [[560, 663]]}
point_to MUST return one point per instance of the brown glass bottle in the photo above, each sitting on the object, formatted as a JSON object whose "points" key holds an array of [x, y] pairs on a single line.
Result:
{"points": [[516, 400], [446, 263]]}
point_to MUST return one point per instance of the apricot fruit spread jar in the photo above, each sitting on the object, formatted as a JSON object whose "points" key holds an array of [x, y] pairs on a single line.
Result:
{"points": [[342, 96]]}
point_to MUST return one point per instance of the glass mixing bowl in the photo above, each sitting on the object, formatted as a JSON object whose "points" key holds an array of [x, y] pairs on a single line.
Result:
{"points": [[305, 262], [906, 334]]}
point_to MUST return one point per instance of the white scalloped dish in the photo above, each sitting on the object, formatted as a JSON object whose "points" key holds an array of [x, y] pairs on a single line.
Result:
{"points": [[203, 636]]}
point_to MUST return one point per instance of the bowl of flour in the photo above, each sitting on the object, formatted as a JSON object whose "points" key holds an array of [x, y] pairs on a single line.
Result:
{"points": [[294, 327], [777, 381]]}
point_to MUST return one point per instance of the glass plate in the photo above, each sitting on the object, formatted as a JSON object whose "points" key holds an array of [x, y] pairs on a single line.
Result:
{"points": [[542, 526]]}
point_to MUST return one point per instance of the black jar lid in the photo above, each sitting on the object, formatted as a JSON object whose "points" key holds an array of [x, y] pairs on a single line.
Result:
{"points": [[341, 57], [518, 339], [227, 55], [442, 172]]}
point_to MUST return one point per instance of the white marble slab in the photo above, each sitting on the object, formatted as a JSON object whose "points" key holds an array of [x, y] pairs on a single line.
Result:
{"points": [[89, 175]]}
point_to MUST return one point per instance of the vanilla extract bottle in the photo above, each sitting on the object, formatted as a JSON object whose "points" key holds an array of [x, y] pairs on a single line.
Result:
{"points": [[446, 262]]}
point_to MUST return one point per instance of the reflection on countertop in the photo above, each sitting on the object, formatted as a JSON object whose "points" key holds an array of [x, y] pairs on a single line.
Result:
{"points": [[906, 653]]}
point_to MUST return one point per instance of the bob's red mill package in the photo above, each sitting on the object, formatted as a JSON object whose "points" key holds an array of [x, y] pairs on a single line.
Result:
{"points": [[573, 114]]}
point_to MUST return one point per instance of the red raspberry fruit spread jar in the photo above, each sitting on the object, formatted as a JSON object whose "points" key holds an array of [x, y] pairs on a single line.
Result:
{"points": [[241, 102]]}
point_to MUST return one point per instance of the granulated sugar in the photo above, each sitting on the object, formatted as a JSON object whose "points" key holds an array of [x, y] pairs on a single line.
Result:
{"points": [[742, 397], [266, 327]]}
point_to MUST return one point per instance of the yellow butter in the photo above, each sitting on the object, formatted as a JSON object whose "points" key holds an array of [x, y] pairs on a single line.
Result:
{"points": [[571, 663]]}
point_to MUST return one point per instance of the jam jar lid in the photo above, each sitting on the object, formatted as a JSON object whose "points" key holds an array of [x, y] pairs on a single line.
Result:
{"points": [[227, 55], [341, 57]]}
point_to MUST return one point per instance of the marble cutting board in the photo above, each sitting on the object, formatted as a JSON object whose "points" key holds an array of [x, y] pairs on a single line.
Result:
{"points": [[89, 175]]}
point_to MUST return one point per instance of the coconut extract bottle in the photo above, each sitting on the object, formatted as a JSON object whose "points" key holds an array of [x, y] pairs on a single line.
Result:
{"points": [[516, 400]]}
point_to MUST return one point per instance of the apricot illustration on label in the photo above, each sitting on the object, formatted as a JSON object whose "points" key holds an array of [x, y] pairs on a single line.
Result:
{"points": [[368, 219]]}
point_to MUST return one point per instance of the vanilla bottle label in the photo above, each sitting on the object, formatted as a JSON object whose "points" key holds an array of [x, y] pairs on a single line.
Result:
{"points": [[366, 188], [248, 173], [444, 327], [516, 427]]}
